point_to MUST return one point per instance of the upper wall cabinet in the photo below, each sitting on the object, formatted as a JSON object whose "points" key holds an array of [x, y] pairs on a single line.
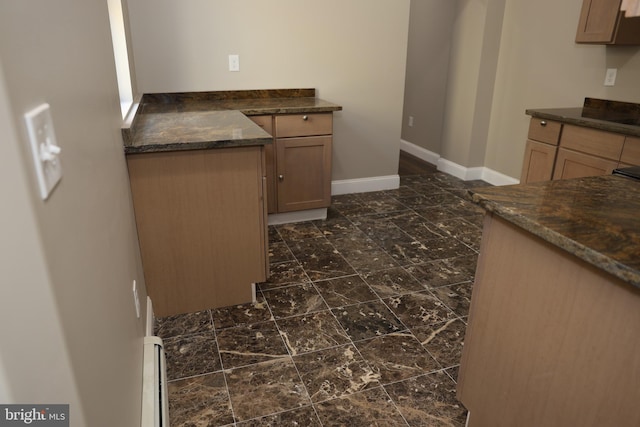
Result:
{"points": [[601, 22]]}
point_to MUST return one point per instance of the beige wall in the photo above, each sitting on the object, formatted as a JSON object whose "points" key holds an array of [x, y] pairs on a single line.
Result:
{"points": [[70, 333], [540, 66], [430, 31], [353, 52]]}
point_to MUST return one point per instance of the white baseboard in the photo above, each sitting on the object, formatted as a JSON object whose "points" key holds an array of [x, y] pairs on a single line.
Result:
{"points": [[298, 216], [365, 185], [459, 171]]}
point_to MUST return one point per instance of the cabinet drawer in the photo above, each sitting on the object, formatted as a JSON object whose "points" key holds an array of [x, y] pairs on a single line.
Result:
{"points": [[544, 130], [265, 122], [304, 124], [631, 151], [598, 143]]}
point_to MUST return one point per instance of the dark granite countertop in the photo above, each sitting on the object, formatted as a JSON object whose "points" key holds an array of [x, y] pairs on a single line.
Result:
{"points": [[610, 116], [595, 218], [204, 120]]}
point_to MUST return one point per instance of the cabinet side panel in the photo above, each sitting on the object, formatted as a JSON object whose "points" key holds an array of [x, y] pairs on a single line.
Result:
{"points": [[199, 223], [551, 340], [598, 20]]}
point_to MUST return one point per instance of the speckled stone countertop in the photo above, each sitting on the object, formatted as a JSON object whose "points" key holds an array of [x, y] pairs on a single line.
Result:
{"points": [[205, 120], [610, 116], [595, 218]]}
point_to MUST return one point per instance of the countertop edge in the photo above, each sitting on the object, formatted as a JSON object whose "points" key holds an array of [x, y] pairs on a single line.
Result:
{"points": [[590, 256], [200, 145]]}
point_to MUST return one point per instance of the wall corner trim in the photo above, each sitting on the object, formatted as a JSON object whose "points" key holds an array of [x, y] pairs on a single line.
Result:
{"points": [[465, 173]]}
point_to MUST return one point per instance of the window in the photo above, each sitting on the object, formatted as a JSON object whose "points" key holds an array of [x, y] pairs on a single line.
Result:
{"points": [[120, 53]]}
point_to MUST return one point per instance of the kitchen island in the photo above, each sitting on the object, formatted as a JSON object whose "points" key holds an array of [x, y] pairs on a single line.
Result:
{"points": [[198, 181], [555, 312]]}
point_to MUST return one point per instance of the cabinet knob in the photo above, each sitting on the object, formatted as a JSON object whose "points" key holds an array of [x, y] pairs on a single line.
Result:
{"points": [[305, 118], [281, 177], [543, 123]]}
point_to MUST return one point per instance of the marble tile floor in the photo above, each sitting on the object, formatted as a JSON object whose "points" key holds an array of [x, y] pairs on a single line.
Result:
{"points": [[361, 323]]}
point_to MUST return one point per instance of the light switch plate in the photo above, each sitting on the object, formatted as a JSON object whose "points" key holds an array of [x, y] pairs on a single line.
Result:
{"points": [[45, 150], [610, 77]]}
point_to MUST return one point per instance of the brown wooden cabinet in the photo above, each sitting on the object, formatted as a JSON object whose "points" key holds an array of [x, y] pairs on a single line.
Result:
{"points": [[299, 163], [201, 222], [562, 151], [540, 151], [601, 22]]}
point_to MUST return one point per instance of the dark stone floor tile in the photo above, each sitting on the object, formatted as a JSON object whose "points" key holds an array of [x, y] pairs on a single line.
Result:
{"points": [[428, 400], [444, 341], [368, 261], [434, 213], [353, 241], [266, 389], [384, 204], [462, 208], [444, 198], [184, 324], [400, 192], [283, 274], [397, 356], [336, 225], [368, 408], [446, 247], [335, 372], [311, 332], [456, 297], [279, 252], [250, 344], [453, 373], [311, 248], [462, 230], [294, 300], [273, 234], [326, 266], [354, 210], [367, 320], [444, 272], [236, 315], [202, 401], [394, 281], [419, 309], [191, 355], [298, 231], [345, 291], [303, 417]]}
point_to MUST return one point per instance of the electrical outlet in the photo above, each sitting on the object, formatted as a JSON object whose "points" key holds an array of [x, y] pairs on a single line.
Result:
{"points": [[610, 77], [44, 148], [234, 62], [136, 299], [410, 121]]}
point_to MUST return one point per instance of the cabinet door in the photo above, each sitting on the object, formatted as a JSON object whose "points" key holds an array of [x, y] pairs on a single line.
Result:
{"points": [[304, 173], [571, 164], [539, 160], [598, 19]]}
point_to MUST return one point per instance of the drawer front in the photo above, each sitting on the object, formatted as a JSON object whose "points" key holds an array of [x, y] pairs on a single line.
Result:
{"points": [[631, 151], [544, 130], [304, 124], [598, 143], [265, 122]]}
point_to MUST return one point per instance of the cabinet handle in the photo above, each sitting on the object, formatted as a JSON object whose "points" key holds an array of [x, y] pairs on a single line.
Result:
{"points": [[305, 118], [281, 177], [543, 123]]}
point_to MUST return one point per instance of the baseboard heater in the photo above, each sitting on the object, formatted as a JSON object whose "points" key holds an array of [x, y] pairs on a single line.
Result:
{"points": [[155, 398]]}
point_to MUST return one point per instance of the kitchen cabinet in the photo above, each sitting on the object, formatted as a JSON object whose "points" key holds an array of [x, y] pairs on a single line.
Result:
{"points": [[299, 163], [540, 150], [601, 22], [201, 222], [587, 152], [630, 152]]}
